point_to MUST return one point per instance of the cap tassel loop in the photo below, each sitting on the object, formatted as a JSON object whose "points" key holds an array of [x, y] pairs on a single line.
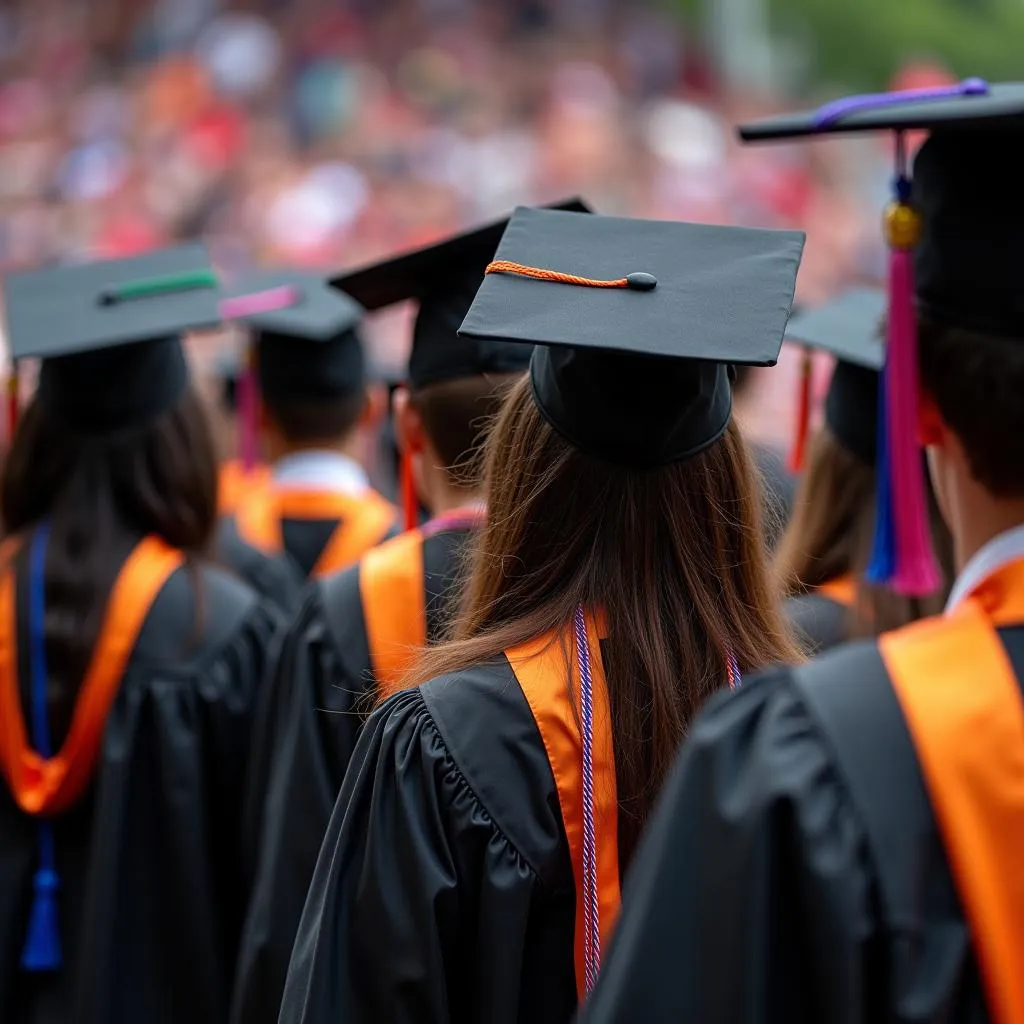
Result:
{"points": [[42, 950], [801, 426], [911, 565]]}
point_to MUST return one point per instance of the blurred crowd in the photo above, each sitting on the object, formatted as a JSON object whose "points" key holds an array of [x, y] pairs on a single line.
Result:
{"points": [[327, 132]]}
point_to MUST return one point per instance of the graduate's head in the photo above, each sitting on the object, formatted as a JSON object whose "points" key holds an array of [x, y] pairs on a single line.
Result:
{"points": [[831, 531], [615, 476]]}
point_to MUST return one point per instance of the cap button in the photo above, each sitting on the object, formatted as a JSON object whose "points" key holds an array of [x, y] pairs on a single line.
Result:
{"points": [[642, 282]]}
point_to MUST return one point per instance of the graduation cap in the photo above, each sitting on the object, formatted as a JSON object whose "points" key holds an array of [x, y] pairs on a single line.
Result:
{"points": [[307, 343], [636, 323], [443, 278], [953, 234], [850, 328], [108, 333]]}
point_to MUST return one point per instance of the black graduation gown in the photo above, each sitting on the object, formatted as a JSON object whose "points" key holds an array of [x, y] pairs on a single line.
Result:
{"points": [[444, 891], [310, 718], [817, 621], [151, 898], [275, 577], [755, 897]]}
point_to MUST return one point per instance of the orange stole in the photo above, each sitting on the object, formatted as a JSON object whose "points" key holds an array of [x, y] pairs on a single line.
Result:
{"points": [[234, 483], [49, 786], [540, 668], [391, 587], [363, 521], [962, 703], [842, 590]]}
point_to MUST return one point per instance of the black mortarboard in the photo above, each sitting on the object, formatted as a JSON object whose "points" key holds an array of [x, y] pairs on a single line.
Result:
{"points": [[850, 328], [953, 230], [443, 278], [636, 322], [307, 336], [109, 332]]}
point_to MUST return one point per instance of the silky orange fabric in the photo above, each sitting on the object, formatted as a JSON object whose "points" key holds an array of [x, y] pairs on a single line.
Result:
{"points": [[540, 667], [842, 590], [48, 786], [391, 587], [962, 703], [235, 482], [363, 521]]}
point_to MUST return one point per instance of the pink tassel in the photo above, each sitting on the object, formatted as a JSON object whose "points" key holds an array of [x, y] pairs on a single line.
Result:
{"points": [[916, 572], [247, 410]]}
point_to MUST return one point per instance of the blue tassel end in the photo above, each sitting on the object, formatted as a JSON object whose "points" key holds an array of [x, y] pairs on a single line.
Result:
{"points": [[42, 943], [882, 565]]}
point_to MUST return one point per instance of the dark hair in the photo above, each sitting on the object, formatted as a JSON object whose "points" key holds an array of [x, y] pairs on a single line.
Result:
{"points": [[674, 556], [977, 382], [313, 420], [101, 493], [831, 533], [456, 415]]}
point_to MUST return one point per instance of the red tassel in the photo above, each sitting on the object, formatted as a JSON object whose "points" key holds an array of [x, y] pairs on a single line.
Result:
{"points": [[12, 403], [916, 572], [410, 499], [247, 410], [801, 427]]}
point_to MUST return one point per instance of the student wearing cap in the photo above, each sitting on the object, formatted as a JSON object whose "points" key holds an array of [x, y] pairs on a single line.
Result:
{"points": [[824, 553], [319, 507], [471, 868], [358, 631], [843, 841], [129, 663]]}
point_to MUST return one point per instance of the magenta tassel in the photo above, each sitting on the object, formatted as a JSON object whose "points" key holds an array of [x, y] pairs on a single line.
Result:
{"points": [[916, 573], [247, 399]]}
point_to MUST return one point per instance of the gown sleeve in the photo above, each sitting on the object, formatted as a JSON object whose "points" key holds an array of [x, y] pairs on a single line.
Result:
{"points": [[419, 907], [309, 720], [750, 900]]}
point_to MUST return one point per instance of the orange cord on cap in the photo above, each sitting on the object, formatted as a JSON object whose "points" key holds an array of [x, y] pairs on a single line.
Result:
{"points": [[637, 282]]}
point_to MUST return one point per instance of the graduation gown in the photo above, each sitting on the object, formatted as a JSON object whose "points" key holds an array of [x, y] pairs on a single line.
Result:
{"points": [[819, 619], [446, 887], [150, 899], [322, 531], [803, 866], [325, 682], [273, 575]]}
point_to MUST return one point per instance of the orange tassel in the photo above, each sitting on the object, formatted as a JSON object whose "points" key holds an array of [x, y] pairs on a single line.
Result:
{"points": [[798, 451], [410, 500]]}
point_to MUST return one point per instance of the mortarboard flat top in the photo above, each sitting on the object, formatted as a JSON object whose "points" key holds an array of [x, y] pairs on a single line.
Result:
{"points": [[65, 310], [315, 312], [722, 296], [849, 327], [958, 107]]}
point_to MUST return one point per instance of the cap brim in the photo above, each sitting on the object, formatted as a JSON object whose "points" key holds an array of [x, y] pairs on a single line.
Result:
{"points": [[1003, 101], [848, 327]]}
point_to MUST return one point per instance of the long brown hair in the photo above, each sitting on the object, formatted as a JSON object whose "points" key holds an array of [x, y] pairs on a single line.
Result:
{"points": [[831, 532], [673, 556]]}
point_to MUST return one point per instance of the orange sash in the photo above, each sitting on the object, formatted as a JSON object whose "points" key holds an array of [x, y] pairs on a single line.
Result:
{"points": [[962, 703], [842, 590], [363, 521], [234, 483], [391, 587], [540, 667], [49, 786]]}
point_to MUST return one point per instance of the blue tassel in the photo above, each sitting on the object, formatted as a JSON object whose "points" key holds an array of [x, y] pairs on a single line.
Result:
{"points": [[42, 950], [42, 943], [882, 564]]}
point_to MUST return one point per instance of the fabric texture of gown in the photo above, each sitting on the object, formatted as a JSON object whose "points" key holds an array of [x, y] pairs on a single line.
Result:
{"points": [[444, 891], [313, 708], [151, 897], [274, 576], [755, 897]]}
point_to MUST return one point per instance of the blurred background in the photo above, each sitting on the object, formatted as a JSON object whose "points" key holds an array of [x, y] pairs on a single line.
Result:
{"points": [[329, 132]]}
